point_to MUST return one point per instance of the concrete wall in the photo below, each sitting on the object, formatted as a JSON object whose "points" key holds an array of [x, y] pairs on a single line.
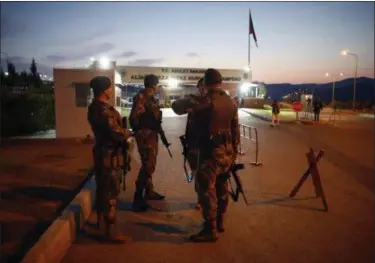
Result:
{"points": [[71, 121], [133, 74]]}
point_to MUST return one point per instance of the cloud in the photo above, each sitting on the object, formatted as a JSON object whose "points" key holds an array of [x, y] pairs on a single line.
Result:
{"points": [[127, 54], [23, 63], [85, 53], [11, 28], [146, 62], [192, 54], [84, 38]]}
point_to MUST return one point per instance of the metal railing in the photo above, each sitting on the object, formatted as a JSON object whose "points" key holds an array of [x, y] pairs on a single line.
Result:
{"points": [[248, 135]]}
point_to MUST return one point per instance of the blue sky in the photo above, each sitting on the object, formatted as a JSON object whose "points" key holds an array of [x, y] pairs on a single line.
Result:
{"points": [[298, 42]]}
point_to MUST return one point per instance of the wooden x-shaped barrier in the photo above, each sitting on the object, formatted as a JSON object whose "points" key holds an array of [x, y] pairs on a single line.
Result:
{"points": [[313, 170]]}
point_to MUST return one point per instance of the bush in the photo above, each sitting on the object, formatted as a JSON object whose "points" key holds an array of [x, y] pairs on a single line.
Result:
{"points": [[26, 114]]}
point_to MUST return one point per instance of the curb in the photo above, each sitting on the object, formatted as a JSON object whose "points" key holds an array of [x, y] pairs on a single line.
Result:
{"points": [[55, 242], [60, 235], [267, 119]]}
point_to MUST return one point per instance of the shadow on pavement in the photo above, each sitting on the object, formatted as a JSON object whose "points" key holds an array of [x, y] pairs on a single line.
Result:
{"points": [[282, 201]]}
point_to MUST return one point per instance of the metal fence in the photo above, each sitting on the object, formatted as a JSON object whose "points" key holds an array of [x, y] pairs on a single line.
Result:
{"points": [[249, 137]]}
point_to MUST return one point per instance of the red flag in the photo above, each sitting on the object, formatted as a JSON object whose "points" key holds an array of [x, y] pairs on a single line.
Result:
{"points": [[251, 29]]}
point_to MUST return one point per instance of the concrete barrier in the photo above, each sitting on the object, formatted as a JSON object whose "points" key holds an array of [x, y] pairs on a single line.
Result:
{"points": [[55, 242]]}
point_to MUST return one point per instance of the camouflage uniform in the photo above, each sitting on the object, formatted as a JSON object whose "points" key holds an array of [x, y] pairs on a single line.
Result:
{"points": [[192, 133], [106, 124], [218, 148], [145, 112]]}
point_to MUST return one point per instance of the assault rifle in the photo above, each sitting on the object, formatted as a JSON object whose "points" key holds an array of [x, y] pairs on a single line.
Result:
{"points": [[126, 156], [162, 134], [189, 175], [239, 188]]}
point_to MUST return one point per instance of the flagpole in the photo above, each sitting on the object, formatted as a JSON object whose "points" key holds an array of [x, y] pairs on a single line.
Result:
{"points": [[248, 49]]}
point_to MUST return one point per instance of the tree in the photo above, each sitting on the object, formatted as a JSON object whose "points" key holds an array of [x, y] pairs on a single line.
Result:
{"points": [[34, 69], [35, 78]]}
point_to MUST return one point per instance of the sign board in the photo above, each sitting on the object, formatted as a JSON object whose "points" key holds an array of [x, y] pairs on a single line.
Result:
{"points": [[297, 106]]}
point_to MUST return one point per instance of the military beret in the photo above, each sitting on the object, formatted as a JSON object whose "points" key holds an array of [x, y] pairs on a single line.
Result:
{"points": [[212, 77], [100, 84], [151, 80]]}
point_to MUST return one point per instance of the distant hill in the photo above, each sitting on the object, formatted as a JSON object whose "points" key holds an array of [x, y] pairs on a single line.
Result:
{"points": [[365, 90]]}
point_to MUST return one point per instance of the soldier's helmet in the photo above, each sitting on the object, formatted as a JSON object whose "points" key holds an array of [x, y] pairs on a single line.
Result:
{"points": [[151, 80], [212, 77], [99, 84]]}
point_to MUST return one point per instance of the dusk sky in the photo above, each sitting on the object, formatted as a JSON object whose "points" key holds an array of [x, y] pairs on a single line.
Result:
{"points": [[298, 42]]}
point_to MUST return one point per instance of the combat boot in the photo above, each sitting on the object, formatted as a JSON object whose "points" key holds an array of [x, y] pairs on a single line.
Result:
{"points": [[113, 236], [152, 195], [220, 223], [139, 203], [207, 234]]}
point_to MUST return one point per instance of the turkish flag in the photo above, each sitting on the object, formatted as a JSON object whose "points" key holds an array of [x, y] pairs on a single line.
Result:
{"points": [[251, 29]]}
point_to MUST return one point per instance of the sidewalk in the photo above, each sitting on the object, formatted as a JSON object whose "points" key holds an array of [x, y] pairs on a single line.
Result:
{"points": [[271, 229], [266, 115]]}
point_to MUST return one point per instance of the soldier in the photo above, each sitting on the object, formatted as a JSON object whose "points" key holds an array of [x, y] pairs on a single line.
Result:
{"points": [[192, 136], [144, 117], [218, 150], [106, 125]]}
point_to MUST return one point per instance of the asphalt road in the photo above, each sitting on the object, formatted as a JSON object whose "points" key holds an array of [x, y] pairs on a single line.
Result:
{"points": [[271, 229]]}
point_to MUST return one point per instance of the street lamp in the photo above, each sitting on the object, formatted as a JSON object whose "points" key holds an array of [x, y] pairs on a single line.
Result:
{"points": [[345, 53], [333, 86]]}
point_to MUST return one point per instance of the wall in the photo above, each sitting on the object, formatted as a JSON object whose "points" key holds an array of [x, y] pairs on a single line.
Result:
{"points": [[118, 80], [71, 121], [132, 74]]}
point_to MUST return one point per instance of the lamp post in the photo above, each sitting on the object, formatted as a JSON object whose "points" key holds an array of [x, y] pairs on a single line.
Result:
{"points": [[333, 87], [1, 97], [345, 53]]}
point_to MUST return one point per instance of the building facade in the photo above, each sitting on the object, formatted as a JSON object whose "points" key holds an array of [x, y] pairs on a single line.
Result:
{"points": [[73, 94]]}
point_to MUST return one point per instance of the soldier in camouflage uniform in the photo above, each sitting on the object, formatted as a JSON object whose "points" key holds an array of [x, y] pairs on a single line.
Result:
{"points": [[192, 136], [144, 117], [106, 125], [218, 150]]}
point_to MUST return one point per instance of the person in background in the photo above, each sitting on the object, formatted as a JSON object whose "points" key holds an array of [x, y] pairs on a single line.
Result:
{"points": [[318, 106], [275, 113]]}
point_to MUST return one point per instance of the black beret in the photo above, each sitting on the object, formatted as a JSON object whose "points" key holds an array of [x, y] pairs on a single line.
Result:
{"points": [[212, 77], [100, 84], [151, 80]]}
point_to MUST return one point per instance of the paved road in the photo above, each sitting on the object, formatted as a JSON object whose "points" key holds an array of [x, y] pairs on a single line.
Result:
{"points": [[271, 229]]}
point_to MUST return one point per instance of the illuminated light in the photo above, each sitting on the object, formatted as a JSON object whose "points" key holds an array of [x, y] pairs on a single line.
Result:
{"points": [[104, 63], [246, 69], [344, 52], [327, 74], [172, 82], [6, 73]]}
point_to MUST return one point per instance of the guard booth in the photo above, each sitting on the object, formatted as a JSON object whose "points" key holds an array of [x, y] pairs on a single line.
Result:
{"points": [[73, 96]]}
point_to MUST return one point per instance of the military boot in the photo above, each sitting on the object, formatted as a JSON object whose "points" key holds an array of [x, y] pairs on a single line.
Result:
{"points": [[207, 234], [152, 195], [220, 223], [139, 202], [113, 236]]}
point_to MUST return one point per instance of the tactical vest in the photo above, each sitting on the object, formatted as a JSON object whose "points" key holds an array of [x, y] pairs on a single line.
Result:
{"points": [[222, 110], [217, 128], [148, 119]]}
